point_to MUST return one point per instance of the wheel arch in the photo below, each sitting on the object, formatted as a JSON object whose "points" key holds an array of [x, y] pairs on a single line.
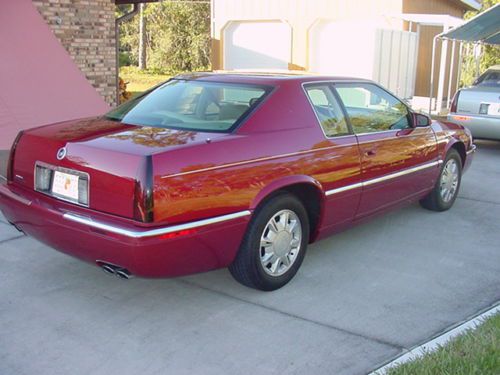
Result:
{"points": [[308, 190], [460, 147]]}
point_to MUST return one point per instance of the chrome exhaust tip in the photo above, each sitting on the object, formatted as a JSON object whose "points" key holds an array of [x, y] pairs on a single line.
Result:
{"points": [[112, 269], [108, 269], [122, 273]]}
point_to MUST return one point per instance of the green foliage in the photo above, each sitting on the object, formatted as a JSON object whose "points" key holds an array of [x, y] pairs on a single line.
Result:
{"points": [[140, 80], [124, 59], [473, 353], [490, 55], [178, 36]]}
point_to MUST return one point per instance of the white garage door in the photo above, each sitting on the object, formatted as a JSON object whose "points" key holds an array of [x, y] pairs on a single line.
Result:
{"points": [[257, 45], [342, 48]]}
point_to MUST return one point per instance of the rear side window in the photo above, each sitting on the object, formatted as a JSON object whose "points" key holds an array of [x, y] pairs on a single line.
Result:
{"points": [[372, 109], [489, 78], [327, 109], [192, 105]]}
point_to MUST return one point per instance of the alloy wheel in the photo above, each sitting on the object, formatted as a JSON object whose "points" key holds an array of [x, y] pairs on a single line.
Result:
{"points": [[280, 242]]}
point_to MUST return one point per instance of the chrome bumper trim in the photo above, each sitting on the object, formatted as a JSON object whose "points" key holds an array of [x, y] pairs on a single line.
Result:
{"points": [[152, 232], [384, 178]]}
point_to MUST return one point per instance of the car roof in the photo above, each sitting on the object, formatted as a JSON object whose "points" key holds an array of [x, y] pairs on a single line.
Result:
{"points": [[262, 77], [493, 67]]}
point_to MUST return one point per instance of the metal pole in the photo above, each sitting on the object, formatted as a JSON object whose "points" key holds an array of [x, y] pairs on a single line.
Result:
{"points": [[442, 72], [450, 78], [432, 72], [477, 55], [415, 63], [459, 73]]}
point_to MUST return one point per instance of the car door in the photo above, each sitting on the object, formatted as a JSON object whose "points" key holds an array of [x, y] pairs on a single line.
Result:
{"points": [[339, 171], [398, 160]]}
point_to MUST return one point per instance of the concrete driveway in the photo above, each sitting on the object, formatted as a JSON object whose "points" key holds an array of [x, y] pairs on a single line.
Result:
{"points": [[360, 298]]}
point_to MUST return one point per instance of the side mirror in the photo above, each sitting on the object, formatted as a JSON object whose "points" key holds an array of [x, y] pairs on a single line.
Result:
{"points": [[421, 120]]}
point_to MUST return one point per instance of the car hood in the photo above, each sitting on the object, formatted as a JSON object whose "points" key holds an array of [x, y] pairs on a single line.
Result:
{"points": [[111, 135]]}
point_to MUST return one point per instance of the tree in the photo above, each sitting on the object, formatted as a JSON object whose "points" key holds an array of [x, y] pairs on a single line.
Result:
{"points": [[490, 55], [177, 36], [142, 38]]}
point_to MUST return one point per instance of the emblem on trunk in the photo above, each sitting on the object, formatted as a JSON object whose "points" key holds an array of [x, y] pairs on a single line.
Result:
{"points": [[61, 153]]}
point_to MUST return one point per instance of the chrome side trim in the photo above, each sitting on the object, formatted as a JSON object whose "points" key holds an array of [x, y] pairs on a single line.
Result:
{"points": [[152, 232], [472, 150], [383, 178], [344, 188], [401, 173]]}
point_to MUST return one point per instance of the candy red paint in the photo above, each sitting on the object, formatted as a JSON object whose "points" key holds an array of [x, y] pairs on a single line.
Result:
{"points": [[280, 146]]}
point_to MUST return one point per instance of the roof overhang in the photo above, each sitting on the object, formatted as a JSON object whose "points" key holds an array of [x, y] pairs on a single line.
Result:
{"points": [[472, 4], [443, 20], [483, 28]]}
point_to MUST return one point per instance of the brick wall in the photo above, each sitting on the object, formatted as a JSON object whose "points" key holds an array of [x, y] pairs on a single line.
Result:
{"points": [[86, 28]]}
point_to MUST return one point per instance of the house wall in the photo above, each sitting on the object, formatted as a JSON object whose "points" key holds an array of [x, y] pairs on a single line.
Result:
{"points": [[86, 29], [300, 14], [40, 82], [427, 33]]}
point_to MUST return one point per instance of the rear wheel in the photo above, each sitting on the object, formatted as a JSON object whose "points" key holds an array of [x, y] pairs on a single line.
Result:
{"points": [[442, 197], [275, 244]]}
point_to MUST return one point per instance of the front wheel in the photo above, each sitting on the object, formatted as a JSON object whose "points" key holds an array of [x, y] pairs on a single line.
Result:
{"points": [[442, 197], [275, 244]]}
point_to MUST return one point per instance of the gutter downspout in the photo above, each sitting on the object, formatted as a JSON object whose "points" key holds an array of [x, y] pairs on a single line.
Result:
{"points": [[118, 21]]}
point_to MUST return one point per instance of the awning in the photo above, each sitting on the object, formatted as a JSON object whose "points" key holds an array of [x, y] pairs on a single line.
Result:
{"points": [[484, 28]]}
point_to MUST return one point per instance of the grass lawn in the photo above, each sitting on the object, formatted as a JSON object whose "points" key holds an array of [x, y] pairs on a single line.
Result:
{"points": [[476, 352], [139, 81]]}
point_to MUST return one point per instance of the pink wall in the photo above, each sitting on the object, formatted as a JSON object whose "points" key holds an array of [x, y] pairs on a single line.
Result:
{"points": [[39, 83]]}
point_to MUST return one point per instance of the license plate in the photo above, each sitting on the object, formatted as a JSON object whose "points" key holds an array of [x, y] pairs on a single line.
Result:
{"points": [[65, 185]]}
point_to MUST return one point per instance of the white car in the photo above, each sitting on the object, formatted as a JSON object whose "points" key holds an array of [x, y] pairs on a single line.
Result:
{"points": [[478, 107]]}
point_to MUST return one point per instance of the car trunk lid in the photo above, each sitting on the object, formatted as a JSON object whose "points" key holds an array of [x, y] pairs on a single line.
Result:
{"points": [[116, 159], [479, 100]]}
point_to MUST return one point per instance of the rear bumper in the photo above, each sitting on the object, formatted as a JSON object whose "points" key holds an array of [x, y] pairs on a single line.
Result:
{"points": [[144, 251], [480, 126]]}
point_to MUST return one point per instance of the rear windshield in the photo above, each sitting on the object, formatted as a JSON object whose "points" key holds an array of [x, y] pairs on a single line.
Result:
{"points": [[192, 105], [489, 78]]}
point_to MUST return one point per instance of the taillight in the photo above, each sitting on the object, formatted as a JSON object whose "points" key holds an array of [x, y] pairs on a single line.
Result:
{"points": [[143, 194], [454, 103], [10, 165]]}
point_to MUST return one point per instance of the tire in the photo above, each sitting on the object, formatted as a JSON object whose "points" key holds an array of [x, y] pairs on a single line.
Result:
{"points": [[445, 192], [273, 265]]}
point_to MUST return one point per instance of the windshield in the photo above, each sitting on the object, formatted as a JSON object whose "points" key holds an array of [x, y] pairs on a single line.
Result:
{"points": [[191, 105]]}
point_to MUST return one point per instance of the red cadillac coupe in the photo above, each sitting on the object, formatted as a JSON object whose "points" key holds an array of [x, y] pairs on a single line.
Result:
{"points": [[216, 170]]}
